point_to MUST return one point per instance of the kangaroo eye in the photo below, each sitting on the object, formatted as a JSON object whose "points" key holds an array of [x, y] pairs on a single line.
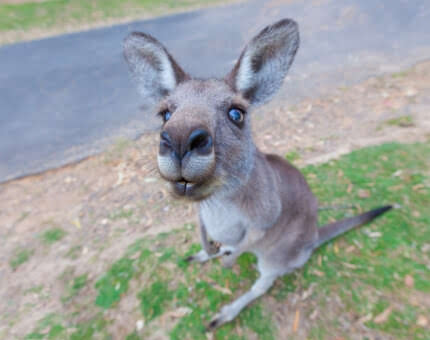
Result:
{"points": [[235, 115], [166, 115]]}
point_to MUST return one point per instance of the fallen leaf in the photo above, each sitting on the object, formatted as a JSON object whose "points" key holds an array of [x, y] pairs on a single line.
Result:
{"points": [[69, 179], [358, 244], [135, 256], [169, 266], [396, 187], [363, 193], [313, 315], [374, 234], [416, 213], [397, 173], [418, 187], [349, 189], [349, 265], [120, 179], [139, 325], [239, 331], [223, 290], [335, 248], [409, 281], [77, 223], [422, 321], [350, 249], [411, 92], [180, 312], [308, 292], [296, 321], [318, 273], [425, 248], [365, 318], [381, 318]]}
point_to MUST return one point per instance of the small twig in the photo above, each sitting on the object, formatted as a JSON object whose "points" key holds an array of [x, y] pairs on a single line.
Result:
{"points": [[296, 321]]}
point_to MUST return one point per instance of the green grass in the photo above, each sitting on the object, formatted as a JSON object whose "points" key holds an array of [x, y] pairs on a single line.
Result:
{"points": [[399, 74], [34, 290], [74, 252], [114, 283], [74, 287], [393, 174], [154, 299], [292, 156], [54, 326], [49, 327], [121, 214], [19, 257], [402, 121], [53, 235], [359, 274], [53, 13]]}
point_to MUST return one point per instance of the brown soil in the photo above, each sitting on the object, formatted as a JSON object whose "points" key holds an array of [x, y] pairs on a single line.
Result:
{"points": [[89, 200]]}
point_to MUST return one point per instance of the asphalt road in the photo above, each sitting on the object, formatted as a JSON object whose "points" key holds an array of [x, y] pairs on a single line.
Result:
{"points": [[67, 97]]}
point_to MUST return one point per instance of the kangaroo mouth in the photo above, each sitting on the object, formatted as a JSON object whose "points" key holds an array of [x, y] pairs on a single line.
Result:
{"points": [[183, 187], [194, 191]]}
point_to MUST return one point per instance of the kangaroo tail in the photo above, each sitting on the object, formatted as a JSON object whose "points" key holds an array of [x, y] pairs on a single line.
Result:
{"points": [[330, 231]]}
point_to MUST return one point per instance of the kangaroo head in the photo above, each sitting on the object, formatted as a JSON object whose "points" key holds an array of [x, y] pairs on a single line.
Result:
{"points": [[206, 144]]}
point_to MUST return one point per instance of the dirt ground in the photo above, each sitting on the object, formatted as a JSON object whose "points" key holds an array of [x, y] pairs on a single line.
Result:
{"points": [[90, 200]]}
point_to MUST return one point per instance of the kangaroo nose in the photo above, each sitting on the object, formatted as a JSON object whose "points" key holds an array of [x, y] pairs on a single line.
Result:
{"points": [[166, 144], [200, 141]]}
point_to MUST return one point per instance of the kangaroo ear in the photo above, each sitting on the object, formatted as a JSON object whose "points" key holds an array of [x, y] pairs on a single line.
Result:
{"points": [[263, 64], [155, 70]]}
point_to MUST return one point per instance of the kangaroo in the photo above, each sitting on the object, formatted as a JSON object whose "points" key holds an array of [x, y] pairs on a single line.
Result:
{"points": [[248, 201]]}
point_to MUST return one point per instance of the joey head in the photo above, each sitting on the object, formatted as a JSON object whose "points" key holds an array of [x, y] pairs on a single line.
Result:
{"points": [[248, 201]]}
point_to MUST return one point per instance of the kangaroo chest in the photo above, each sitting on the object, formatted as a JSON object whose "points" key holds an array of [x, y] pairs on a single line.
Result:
{"points": [[224, 222]]}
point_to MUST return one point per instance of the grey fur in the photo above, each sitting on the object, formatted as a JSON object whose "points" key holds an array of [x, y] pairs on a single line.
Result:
{"points": [[262, 67], [248, 201]]}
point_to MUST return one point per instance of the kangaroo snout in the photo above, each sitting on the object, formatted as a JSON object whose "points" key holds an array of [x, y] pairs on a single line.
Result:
{"points": [[198, 141], [186, 159]]}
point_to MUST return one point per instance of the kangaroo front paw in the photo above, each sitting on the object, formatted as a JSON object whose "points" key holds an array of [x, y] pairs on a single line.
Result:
{"points": [[200, 257], [214, 248]]}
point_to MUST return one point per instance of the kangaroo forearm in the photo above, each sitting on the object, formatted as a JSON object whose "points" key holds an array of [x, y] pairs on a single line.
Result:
{"points": [[208, 246]]}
